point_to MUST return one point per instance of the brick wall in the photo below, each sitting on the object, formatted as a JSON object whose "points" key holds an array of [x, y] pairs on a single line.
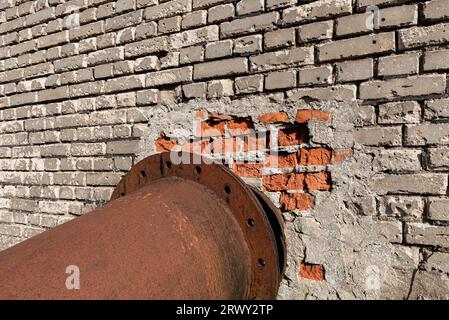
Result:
{"points": [[340, 114]]}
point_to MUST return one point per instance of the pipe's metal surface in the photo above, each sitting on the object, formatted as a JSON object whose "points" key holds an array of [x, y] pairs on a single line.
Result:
{"points": [[169, 232]]}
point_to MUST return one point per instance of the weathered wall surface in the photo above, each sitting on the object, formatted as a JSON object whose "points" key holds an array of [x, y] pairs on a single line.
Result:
{"points": [[340, 115]]}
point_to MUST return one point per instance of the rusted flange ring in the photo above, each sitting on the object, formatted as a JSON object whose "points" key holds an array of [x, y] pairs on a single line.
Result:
{"points": [[260, 222]]}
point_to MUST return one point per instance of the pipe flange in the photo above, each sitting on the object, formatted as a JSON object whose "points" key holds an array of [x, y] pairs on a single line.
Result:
{"points": [[260, 222]]}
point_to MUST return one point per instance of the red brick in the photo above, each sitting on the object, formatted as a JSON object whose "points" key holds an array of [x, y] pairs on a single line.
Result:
{"points": [[303, 116], [299, 201], [210, 128], [164, 143], [274, 117], [340, 155], [198, 147], [318, 181], [240, 126], [282, 160], [312, 271], [314, 157], [226, 145], [255, 142], [293, 136], [248, 170], [284, 181]]}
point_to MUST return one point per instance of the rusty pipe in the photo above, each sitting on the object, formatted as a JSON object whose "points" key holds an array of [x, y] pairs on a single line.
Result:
{"points": [[169, 232]]}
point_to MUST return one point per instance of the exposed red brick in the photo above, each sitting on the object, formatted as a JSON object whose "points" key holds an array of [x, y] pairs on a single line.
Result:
{"points": [[210, 128], [312, 271], [293, 136], [318, 181], [240, 126], [248, 170], [274, 117], [340, 155], [164, 143], [198, 147], [303, 116], [284, 181], [299, 201], [255, 142], [314, 157], [282, 160], [226, 145]]}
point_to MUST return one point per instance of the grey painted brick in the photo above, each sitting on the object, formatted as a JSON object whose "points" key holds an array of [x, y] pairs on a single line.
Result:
{"points": [[399, 112], [147, 46], [249, 84], [103, 179], [86, 31], [147, 97], [125, 83], [281, 59], [193, 37], [169, 25], [435, 10], [419, 183], [380, 136], [248, 45], [337, 93], [398, 160], [426, 134], [279, 38], [219, 49], [194, 19], [249, 6], [70, 63], [354, 70], [87, 149], [172, 76], [315, 75], [439, 209], [124, 147], [221, 13], [220, 88], [146, 30], [417, 37], [191, 54], [436, 109], [436, 60], [357, 47], [280, 80], [402, 64], [105, 56], [412, 86], [316, 10], [438, 158], [194, 90], [147, 63], [263, 22], [220, 68], [168, 9]]}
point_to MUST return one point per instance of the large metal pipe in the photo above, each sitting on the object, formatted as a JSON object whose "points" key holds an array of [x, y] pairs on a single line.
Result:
{"points": [[169, 232]]}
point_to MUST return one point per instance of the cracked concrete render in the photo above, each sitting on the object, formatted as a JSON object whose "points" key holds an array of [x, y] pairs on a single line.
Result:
{"points": [[364, 253]]}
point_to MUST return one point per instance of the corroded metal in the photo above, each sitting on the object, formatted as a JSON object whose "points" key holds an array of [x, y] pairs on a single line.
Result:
{"points": [[169, 232]]}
